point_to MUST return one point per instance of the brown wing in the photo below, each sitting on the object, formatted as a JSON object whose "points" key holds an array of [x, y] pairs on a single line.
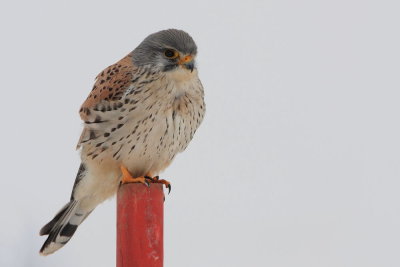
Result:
{"points": [[110, 85], [103, 100]]}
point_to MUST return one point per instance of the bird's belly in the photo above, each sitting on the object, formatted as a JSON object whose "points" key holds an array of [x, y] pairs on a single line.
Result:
{"points": [[148, 146], [144, 146]]}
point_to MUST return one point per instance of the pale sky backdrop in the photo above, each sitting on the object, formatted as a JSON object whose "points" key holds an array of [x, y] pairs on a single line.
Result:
{"points": [[296, 163]]}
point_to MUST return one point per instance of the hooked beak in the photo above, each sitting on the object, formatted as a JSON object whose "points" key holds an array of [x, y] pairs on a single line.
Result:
{"points": [[187, 62]]}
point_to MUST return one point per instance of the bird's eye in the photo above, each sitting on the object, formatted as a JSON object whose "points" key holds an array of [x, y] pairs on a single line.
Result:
{"points": [[169, 53]]}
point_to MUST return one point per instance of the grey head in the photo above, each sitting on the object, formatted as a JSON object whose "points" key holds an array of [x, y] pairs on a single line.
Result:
{"points": [[166, 50]]}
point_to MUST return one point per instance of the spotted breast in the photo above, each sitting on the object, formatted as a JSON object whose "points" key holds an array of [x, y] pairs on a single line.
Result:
{"points": [[151, 117]]}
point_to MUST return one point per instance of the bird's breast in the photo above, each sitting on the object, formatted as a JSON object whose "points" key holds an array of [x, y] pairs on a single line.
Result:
{"points": [[154, 124]]}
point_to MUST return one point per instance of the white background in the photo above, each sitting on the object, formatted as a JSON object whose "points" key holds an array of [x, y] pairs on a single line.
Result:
{"points": [[296, 163]]}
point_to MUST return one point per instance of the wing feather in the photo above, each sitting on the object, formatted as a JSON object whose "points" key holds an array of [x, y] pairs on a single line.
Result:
{"points": [[109, 87], [104, 100]]}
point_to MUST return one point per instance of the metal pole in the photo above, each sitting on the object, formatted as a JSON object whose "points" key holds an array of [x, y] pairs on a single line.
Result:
{"points": [[140, 218]]}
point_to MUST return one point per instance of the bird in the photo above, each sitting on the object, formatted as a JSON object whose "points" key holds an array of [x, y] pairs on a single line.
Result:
{"points": [[142, 111]]}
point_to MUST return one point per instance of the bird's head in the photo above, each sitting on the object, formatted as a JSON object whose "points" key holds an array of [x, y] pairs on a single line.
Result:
{"points": [[166, 51]]}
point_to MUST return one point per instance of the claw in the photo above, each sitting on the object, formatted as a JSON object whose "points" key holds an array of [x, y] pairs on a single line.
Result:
{"points": [[169, 188], [148, 179], [157, 180]]}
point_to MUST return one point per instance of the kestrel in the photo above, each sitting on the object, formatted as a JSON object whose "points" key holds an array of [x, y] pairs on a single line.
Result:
{"points": [[141, 112]]}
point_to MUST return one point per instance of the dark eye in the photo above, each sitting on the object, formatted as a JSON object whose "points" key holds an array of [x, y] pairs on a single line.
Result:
{"points": [[169, 53]]}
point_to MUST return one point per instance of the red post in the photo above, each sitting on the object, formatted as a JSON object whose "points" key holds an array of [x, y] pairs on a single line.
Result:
{"points": [[140, 219]]}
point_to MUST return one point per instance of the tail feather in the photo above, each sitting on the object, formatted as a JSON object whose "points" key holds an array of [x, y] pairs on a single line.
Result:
{"points": [[47, 228], [62, 227]]}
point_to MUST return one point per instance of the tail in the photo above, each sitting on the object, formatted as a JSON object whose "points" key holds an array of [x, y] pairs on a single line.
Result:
{"points": [[62, 227]]}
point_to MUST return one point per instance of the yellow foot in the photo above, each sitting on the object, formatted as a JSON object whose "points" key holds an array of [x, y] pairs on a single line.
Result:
{"points": [[157, 180], [127, 178]]}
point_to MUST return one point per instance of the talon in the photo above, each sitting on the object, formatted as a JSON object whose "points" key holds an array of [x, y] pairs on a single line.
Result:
{"points": [[157, 180], [169, 188], [164, 182], [148, 179]]}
